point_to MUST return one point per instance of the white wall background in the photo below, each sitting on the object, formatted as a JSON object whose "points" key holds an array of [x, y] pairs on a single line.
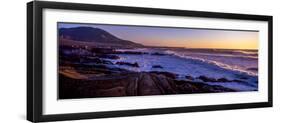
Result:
{"points": [[13, 61]]}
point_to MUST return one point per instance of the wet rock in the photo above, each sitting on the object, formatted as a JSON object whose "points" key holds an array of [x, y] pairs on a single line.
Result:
{"points": [[157, 66], [179, 82], [236, 80], [107, 56], [199, 87], [253, 69], [102, 50], [116, 91], [97, 68], [158, 54], [130, 52], [153, 83], [243, 77], [95, 60], [131, 84], [134, 84], [189, 77], [128, 64], [223, 80], [167, 74], [188, 88], [207, 79], [205, 88]]}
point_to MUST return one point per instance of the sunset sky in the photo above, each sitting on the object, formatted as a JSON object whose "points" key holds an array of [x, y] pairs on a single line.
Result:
{"points": [[179, 37]]}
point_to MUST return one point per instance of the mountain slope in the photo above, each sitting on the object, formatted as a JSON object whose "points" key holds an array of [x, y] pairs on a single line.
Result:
{"points": [[95, 35]]}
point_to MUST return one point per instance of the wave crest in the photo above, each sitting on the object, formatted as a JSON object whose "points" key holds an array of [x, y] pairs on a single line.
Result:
{"points": [[212, 62]]}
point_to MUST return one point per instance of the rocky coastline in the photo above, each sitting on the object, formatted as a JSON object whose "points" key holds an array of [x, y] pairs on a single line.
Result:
{"points": [[86, 73], [93, 63]]}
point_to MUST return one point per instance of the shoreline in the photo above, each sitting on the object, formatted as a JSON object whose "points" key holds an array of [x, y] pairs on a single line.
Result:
{"points": [[130, 84], [89, 76]]}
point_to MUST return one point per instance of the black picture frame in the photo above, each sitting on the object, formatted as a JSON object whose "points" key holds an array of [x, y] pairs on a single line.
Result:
{"points": [[34, 60]]}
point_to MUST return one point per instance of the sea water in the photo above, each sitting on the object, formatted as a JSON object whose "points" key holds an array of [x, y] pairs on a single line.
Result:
{"points": [[214, 63]]}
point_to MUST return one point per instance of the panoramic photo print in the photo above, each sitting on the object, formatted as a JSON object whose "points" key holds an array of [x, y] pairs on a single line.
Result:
{"points": [[104, 60]]}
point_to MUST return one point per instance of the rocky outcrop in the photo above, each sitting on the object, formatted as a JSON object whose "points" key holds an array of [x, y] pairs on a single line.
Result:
{"points": [[119, 85], [188, 77], [207, 79], [199, 87], [223, 80], [107, 56], [253, 69], [158, 54], [167, 74], [92, 74], [130, 84], [130, 52], [157, 66], [128, 64]]}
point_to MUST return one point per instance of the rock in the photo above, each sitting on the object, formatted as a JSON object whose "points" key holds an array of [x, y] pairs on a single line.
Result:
{"points": [[189, 77], [102, 50], [223, 80], [158, 54], [128, 64], [253, 69], [115, 92], [133, 84], [214, 88], [207, 79], [152, 84], [97, 68], [95, 60], [157, 66], [167, 74], [236, 80], [91, 81], [188, 88], [130, 52], [179, 82], [198, 80], [199, 87], [185, 87], [107, 56], [243, 77]]}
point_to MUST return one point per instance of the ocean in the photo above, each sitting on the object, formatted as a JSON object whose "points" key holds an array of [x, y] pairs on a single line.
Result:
{"points": [[239, 65]]}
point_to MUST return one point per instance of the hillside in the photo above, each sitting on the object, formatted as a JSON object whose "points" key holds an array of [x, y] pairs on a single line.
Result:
{"points": [[90, 35]]}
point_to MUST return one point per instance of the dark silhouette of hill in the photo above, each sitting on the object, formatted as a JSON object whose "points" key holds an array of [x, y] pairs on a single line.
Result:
{"points": [[96, 35]]}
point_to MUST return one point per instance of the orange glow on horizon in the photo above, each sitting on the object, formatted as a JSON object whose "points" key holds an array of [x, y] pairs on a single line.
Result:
{"points": [[180, 37], [223, 42]]}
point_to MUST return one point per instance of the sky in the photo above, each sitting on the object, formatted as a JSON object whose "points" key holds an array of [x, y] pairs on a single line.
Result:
{"points": [[179, 37]]}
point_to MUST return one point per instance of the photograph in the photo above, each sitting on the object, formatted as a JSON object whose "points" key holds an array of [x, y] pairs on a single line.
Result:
{"points": [[93, 60], [106, 60]]}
